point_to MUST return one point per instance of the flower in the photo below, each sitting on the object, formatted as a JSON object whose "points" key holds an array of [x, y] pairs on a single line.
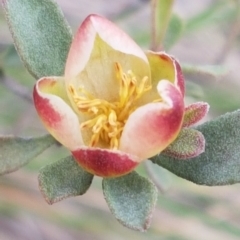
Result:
{"points": [[115, 106]]}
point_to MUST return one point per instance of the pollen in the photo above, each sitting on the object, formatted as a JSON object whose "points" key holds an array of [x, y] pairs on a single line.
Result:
{"points": [[107, 119]]}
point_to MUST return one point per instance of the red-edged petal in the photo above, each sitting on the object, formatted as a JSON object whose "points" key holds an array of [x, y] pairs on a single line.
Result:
{"points": [[57, 116], [104, 162], [194, 113], [164, 66], [179, 79], [152, 127], [91, 63], [84, 40]]}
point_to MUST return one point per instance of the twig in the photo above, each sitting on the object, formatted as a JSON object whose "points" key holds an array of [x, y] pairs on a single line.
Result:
{"points": [[153, 25], [150, 172]]}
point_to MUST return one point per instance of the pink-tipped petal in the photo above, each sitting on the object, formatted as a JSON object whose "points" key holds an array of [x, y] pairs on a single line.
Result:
{"points": [[57, 116], [83, 43], [194, 113], [80, 49], [152, 127], [96, 49], [104, 162], [164, 66], [116, 38]]}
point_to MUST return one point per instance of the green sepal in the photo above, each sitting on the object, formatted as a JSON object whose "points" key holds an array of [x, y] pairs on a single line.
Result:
{"points": [[189, 143], [62, 179], [131, 199], [17, 151], [194, 113], [41, 35], [174, 32], [220, 163]]}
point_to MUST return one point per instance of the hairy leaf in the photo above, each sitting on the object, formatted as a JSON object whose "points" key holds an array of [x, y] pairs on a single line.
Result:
{"points": [[41, 35], [220, 163], [131, 199], [63, 179], [16, 151]]}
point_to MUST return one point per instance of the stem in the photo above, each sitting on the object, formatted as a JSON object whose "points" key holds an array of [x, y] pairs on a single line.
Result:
{"points": [[152, 175], [161, 14], [153, 25], [231, 38]]}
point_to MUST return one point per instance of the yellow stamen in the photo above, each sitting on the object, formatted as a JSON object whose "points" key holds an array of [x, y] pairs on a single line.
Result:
{"points": [[108, 119]]}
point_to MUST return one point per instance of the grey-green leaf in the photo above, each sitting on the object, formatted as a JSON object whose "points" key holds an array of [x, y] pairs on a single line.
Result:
{"points": [[131, 199], [174, 31], [16, 151], [63, 179], [209, 70], [41, 35], [217, 12], [220, 163]]}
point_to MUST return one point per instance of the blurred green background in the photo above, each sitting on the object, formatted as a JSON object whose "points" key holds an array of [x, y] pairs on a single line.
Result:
{"points": [[205, 37]]}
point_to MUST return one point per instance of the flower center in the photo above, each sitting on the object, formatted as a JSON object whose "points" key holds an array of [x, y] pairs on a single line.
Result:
{"points": [[107, 119]]}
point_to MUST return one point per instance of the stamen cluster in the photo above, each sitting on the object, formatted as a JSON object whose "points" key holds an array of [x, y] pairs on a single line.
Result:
{"points": [[106, 120]]}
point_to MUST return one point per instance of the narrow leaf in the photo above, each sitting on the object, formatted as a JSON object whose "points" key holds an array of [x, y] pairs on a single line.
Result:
{"points": [[209, 70], [12, 67], [174, 31], [63, 179], [41, 35], [220, 163], [194, 90], [16, 151], [229, 100], [217, 12], [131, 199]]}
